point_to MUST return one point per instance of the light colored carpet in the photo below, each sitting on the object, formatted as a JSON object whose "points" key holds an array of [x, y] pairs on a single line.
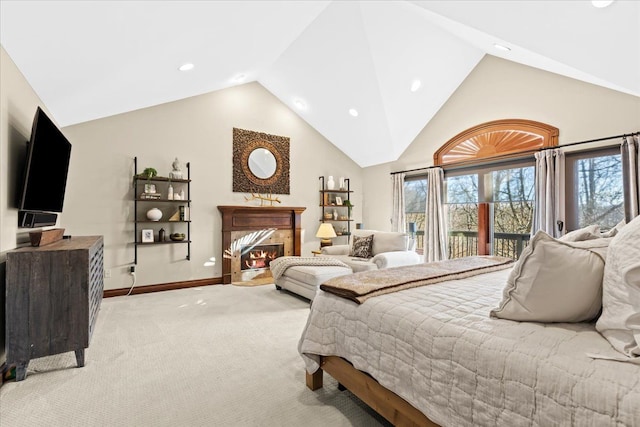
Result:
{"points": [[210, 356]]}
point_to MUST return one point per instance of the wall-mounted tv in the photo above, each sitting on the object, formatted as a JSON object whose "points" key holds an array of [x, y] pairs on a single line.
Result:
{"points": [[46, 167]]}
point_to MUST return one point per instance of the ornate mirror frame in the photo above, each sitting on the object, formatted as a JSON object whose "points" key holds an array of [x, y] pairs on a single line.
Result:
{"points": [[498, 138], [244, 181]]}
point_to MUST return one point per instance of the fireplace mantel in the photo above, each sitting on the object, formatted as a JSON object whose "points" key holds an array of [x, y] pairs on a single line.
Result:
{"points": [[248, 218]]}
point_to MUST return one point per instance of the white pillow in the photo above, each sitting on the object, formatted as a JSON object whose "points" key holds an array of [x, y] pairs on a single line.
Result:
{"points": [[612, 232], [620, 319], [553, 281], [587, 233]]}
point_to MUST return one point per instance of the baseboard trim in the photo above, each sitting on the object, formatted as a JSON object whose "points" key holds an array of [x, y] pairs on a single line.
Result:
{"points": [[108, 293]]}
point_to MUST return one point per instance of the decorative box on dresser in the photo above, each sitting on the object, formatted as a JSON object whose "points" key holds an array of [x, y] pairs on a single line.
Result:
{"points": [[53, 294]]}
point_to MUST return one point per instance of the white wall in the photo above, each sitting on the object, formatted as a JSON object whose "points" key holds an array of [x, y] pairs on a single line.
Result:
{"points": [[198, 130], [499, 89]]}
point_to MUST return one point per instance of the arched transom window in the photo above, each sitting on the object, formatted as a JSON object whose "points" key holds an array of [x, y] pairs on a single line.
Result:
{"points": [[499, 138]]}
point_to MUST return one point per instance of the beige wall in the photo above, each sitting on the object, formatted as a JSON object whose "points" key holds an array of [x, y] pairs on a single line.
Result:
{"points": [[198, 130], [18, 103], [498, 89]]}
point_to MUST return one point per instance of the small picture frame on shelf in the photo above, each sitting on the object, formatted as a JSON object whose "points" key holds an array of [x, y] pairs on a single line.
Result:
{"points": [[147, 236], [338, 201], [149, 188]]}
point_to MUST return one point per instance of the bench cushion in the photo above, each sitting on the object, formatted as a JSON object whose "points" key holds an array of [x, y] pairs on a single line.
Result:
{"points": [[315, 275]]}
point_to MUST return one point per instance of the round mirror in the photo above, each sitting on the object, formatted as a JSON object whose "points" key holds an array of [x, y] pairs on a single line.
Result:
{"points": [[262, 163]]}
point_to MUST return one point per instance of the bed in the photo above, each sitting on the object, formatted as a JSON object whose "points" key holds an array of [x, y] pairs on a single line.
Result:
{"points": [[431, 355]]}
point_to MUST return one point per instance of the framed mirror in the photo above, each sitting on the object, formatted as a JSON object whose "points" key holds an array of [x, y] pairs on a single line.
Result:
{"points": [[260, 162]]}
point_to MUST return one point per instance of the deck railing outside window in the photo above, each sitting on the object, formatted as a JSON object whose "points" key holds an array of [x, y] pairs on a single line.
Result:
{"points": [[465, 243]]}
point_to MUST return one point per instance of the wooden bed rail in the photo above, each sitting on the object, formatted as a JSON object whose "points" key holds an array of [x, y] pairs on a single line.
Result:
{"points": [[385, 402]]}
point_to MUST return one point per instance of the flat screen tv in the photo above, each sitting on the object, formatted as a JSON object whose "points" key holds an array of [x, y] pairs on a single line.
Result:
{"points": [[46, 167]]}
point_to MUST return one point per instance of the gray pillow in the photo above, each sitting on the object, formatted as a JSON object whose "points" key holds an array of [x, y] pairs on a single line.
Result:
{"points": [[361, 247], [554, 281]]}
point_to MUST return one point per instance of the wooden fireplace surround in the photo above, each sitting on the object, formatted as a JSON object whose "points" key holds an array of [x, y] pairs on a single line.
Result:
{"points": [[247, 218]]}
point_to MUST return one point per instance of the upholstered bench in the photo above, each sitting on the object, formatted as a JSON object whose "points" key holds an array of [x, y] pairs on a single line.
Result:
{"points": [[305, 280]]}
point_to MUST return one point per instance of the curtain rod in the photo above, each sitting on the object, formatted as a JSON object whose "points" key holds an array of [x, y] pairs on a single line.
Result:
{"points": [[624, 135]]}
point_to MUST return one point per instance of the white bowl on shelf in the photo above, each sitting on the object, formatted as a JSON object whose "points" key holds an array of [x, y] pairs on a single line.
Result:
{"points": [[154, 214]]}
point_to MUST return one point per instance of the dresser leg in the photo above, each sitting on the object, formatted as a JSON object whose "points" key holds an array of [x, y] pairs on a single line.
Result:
{"points": [[21, 370], [80, 357]]}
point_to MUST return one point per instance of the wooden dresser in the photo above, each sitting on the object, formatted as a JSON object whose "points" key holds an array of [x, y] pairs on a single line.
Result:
{"points": [[53, 295]]}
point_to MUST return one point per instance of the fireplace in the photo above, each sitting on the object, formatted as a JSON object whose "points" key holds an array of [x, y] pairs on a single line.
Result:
{"points": [[258, 257], [239, 223]]}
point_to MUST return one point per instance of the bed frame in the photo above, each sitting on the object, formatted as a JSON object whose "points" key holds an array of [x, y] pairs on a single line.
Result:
{"points": [[385, 402]]}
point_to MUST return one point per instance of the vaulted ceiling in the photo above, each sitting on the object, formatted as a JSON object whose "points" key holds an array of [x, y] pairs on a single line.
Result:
{"points": [[88, 60]]}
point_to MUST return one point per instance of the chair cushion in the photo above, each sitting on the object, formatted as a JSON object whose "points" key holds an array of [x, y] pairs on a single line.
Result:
{"points": [[385, 241]]}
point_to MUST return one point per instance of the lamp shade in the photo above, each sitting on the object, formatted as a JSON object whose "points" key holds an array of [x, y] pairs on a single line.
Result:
{"points": [[326, 231]]}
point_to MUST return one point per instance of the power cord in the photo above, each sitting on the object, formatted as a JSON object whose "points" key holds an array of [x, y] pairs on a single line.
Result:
{"points": [[132, 272]]}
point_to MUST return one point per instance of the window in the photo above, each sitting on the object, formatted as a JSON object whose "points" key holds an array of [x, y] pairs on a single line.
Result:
{"points": [[415, 199], [490, 209], [461, 198], [490, 203], [594, 188]]}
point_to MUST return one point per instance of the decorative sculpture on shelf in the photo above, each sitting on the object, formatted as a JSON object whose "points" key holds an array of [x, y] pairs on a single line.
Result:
{"points": [[176, 172], [266, 198]]}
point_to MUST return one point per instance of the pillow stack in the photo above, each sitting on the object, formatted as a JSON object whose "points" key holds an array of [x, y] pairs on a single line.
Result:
{"points": [[568, 280], [620, 319]]}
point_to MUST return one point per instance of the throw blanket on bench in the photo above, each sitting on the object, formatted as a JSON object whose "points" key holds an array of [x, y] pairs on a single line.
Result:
{"points": [[279, 265], [359, 287]]}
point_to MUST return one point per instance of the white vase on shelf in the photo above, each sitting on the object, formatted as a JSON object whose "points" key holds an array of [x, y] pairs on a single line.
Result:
{"points": [[170, 192], [331, 184], [154, 214]]}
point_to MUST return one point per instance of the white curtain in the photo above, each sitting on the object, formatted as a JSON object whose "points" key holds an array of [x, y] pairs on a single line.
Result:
{"points": [[631, 176], [549, 197], [435, 234], [397, 214]]}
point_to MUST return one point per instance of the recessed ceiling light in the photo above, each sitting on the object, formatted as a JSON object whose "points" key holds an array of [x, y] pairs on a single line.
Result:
{"points": [[239, 78], [300, 104], [501, 47], [415, 85], [353, 112], [601, 3], [186, 67]]}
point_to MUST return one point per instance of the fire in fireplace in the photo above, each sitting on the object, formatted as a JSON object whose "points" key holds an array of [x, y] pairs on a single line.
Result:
{"points": [[260, 256]]}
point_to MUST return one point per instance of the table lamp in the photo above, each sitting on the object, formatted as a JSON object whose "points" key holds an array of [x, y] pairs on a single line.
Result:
{"points": [[325, 234]]}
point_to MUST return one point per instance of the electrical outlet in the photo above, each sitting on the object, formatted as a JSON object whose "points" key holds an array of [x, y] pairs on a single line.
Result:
{"points": [[107, 274], [132, 269]]}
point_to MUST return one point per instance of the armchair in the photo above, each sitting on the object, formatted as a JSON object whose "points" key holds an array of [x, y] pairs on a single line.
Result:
{"points": [[389, 249]]}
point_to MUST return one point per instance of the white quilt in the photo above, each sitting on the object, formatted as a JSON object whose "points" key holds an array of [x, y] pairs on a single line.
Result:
{"points": [[436, 347]]}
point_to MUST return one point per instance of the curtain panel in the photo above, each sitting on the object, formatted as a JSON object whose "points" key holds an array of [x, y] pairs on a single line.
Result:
{"points": [[548, 212], [397, 212], [435, 234], [631, 176]]}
